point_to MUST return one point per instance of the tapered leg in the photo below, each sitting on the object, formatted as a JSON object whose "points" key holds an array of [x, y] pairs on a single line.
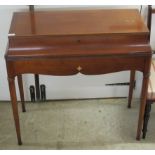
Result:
{"points": [[142, 104], [131, 87], [146, 117], [21, 91], [15, 108]]}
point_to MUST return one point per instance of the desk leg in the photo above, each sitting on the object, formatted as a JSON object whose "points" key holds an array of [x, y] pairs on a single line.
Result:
{"points": [[142, 104], [21, 91], [131, 87], [15, 108]]}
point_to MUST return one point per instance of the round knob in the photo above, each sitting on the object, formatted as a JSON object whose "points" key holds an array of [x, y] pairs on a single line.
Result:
{"points": [[79, 68]]}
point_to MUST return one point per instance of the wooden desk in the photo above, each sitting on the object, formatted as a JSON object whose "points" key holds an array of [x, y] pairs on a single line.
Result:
{"points": [[68, 42]]}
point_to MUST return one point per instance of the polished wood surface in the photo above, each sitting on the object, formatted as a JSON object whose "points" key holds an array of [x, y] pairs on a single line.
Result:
{"points": [[21, 91], [91, 42], [80, 22], [77, 33], [131, 87], [15, 107], [77, 46], [69, 66], [153, 10]]}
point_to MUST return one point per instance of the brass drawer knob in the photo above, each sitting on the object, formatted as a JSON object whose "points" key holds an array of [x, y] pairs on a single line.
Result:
{"points": [[79, 68]]}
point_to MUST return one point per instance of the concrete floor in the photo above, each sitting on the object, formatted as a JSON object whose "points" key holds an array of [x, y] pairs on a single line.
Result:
{"points": [[76, 124]]}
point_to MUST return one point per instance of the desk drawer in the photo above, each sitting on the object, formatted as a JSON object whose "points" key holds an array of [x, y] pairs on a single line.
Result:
{"points": [[71, 66]]}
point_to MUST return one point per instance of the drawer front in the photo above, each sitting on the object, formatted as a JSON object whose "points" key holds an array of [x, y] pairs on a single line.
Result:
{"points": [[71, 66], [55, 46]]}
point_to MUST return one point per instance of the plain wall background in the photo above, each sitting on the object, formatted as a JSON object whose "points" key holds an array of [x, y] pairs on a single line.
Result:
{"points": [[78, 86]]}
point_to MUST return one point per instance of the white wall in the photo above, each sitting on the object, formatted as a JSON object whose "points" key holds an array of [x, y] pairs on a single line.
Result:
{"points": [[5, 19], [78, 86]]}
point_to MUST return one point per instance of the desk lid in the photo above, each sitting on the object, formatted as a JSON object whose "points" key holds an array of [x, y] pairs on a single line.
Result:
{"points": [[77, 33], [77, 22]]}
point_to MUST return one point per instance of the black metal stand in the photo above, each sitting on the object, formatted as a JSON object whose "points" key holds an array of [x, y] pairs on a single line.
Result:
{"points": [[146, 117], [36, 76], [37, 86]]}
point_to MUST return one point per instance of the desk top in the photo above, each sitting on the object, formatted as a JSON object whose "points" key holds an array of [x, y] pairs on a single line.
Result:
{"points": [[77, 33], [77, 22]]}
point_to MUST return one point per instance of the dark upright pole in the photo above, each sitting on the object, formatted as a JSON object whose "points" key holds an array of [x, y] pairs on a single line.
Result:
{"points": [[36, 76], [148, 103], [149, 19], [31, 7]]}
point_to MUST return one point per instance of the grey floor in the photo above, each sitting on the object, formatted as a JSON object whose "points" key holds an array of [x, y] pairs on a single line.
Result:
{"points": [[76, 124]]}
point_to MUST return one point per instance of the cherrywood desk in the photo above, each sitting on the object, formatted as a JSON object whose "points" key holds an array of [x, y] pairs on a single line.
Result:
{"points": [[68, 42]]}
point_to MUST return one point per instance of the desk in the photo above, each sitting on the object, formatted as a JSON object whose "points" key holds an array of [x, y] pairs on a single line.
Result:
{"points": [[91, 42]]}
